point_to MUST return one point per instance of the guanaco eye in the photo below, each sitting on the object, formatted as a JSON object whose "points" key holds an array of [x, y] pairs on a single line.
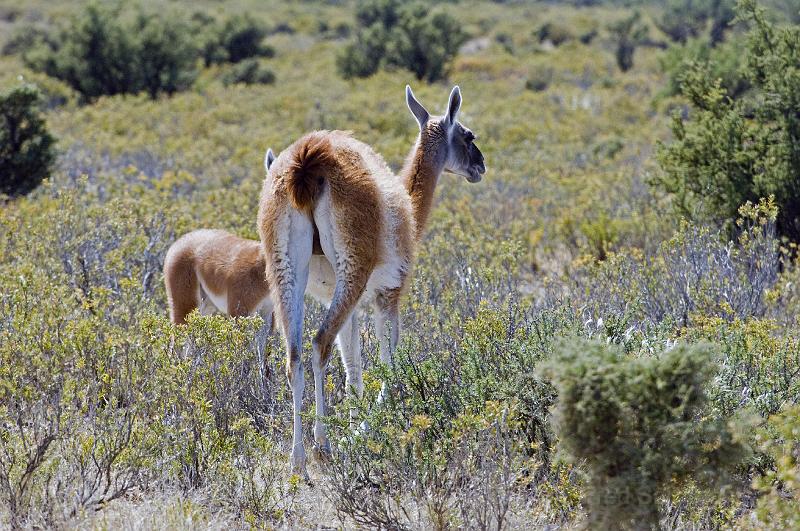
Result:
{"points": [[469, 137]]}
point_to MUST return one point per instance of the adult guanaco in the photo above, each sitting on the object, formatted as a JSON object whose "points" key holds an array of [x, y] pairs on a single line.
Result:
{"points": [[369, 222]]}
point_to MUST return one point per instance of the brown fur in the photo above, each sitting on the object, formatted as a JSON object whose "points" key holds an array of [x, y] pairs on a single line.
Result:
{"points": [[421, 174], [180, 280], [269, 213], [304, 178], [356, 203], [227, 264]]}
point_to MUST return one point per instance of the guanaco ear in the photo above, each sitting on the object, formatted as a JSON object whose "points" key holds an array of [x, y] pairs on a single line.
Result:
{"points": [[269, 158], [416, 108], [453, 106]]}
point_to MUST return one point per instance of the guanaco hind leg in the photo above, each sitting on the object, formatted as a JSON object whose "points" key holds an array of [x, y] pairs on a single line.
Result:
{"points": [[291, 255], [349, 341]]}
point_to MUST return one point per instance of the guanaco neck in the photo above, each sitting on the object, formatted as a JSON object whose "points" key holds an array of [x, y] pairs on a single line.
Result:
{"points": [[421, 173]]}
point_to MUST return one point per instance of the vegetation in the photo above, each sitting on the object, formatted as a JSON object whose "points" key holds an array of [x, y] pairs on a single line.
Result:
{"points": [[730, 151], [587, 260], [236, 39], [404, 35], [105, 51], [249, 72], [642, 427], [688, 19], [779, 508], [554, 33], [100, 54], [26, 147], [724, 62], [628, 33]]}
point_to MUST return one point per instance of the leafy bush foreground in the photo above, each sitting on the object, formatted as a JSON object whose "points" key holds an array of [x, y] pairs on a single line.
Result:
{"points": [[642, 426], [102, 398]]}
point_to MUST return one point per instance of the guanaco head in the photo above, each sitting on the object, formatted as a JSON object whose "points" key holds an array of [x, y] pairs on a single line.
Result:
{"points": [[454, 143]]}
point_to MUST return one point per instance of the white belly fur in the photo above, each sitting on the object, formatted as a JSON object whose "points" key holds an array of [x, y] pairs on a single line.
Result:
{"points": [[322, 279], [220, 302]]}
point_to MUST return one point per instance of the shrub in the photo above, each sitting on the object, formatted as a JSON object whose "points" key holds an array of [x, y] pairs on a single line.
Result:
{"points": [[555, 33], [241, 38], [464, 432], [249, 72], [340, 30], [165, 55], [467, 478], [539, 80], [729, 151], [26, 37], [401, 35], [627, 34], [683, 20], [588, 37], [721, 13], [505, 40], [237, 38], [641, 425], [109, 396], [698, 271], [26, 147], [101, 54], [95, 56], [724, 62], [779, 504], [757, 364], [365, 55]]}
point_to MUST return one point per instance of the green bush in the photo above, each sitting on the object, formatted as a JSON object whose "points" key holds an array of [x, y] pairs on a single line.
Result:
{"points": [[642, 426], [757, 368], [779, 504], [95, 56], [25, 38], [365, 55], [165, 55], [105, 51], [683, 20], [101, 53], [235, 39], [539, 79], [555, 33], [26, 147], [729, 151], [109, 396], [588, 37], [506, 41], [627, 34], [249, 72], [724, 62], [401, 35], [464, 426]]}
